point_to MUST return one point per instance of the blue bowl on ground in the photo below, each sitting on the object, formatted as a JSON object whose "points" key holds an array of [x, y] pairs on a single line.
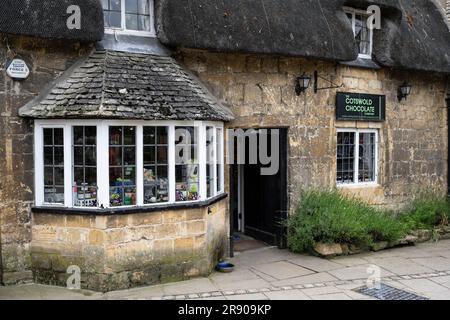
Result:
{"points": [[225, 267]]}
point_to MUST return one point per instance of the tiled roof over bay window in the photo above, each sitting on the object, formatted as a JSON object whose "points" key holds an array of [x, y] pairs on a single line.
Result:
{"points": [[119, 85]]}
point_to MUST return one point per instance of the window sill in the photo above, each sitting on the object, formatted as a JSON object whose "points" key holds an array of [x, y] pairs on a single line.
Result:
{"points": [[358, 185], [362, 63], [128, 210]]}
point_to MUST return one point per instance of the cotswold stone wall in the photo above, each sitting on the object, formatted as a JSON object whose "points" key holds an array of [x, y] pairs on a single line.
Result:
{"points": [[413, 139], [123, 251], [46, 61]]}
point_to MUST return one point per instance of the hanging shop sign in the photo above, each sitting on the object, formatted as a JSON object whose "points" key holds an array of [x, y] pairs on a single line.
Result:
{"points": [[360, 107], [18, 69]]}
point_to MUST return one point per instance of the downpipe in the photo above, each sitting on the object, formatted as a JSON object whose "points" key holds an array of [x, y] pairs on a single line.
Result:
{"points": [[1, 252], [447, 100]]}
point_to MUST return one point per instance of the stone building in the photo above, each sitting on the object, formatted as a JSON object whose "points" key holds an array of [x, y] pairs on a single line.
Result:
{"points": [[91, 133]]}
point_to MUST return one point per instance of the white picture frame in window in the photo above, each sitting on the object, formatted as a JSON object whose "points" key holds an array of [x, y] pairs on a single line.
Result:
{"points": [[356, 183], [124, 31]]}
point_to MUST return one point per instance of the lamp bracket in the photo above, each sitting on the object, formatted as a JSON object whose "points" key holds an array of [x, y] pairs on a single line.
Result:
{"points": [[316, 83]]}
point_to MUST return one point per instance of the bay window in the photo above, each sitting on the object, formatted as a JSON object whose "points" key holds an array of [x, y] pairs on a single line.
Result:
{"points": [[111, 164], [357, 156]]}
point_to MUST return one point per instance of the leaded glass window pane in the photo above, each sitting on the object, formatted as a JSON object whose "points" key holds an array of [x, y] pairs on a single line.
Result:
{"points": [[84, 166], [187, 169], [156, 177], [54, 165], [122, 166]]}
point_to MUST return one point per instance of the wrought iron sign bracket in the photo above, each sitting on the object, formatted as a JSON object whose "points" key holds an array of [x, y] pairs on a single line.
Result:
{"points": [[316, 83]]}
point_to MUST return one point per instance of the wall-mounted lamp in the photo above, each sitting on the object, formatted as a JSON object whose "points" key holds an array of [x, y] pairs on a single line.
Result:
{"points": [[448, 100], [404, 91], [302, 83]]}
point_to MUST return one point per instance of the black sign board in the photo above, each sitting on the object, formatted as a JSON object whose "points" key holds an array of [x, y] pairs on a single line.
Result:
{"points": [[360, 107]]}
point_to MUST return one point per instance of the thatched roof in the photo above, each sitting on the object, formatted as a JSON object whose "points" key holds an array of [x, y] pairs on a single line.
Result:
{"points": [[414, 33], [48, 19]]}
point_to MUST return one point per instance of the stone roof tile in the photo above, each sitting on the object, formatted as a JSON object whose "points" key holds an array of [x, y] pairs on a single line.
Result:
{"points": [[119, 85]]}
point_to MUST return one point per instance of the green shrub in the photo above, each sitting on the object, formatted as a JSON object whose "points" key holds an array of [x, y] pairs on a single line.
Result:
{"points": [[330, 217], [428, 210]]}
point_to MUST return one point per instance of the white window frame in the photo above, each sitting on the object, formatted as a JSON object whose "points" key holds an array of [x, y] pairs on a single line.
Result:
{"points": [[354, 12], [124, 31], [355, 182], [103, 160], [221, 157]]}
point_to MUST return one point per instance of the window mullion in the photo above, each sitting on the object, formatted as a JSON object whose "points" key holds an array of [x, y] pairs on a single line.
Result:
{"points": [[139, 165], [222, 143], [103, 165], [215, 154], [356, 170], [171, 168], [39, 169], [202, 160], [68, 158], [123, 15], [376, 158], [354, 23]]}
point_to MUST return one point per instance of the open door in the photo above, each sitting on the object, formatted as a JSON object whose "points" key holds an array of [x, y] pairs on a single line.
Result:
{"points": [[259, 202]]}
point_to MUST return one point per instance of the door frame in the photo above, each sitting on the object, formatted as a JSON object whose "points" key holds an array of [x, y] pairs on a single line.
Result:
{"points": [[278, 216], [241, 198]]}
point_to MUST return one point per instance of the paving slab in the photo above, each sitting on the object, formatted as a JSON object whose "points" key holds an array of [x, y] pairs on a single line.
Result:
{"points": [[349, 261], [287, 295], [435, 263], [251, 296], [320, 277], [41, 292], [243, 284], [283, 270], [444, 281], [420, 251], [260, 256], [138, 293], [190, 286], [400, 265], [332, 296], [442, 295], [356, 272], [357, 296], [263, 276], [240, 274], [424, 286], [315, 264], [321, 290]]}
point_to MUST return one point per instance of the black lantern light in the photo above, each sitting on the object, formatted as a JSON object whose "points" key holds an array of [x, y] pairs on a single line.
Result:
{"points": [[448, 100], [404, 91], [302, 84]]}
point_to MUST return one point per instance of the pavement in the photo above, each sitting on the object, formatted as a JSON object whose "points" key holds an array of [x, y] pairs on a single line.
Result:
{"points": [[273, 274]]}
